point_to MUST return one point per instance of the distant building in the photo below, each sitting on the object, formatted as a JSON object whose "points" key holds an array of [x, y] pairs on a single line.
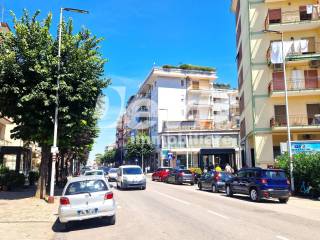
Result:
{"points": [[192, 121]]}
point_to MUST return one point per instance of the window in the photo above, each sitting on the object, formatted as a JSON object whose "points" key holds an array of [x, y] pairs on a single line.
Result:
{"points": [[239, 56], [277, 81], [280, 115], [182, 83], [86, 187], [313, 112], [243, 128], [304, 15], [241, 103], [132, 171], [195, 84], [311, 79], [240, 78], [274, 15], [242, 174]]}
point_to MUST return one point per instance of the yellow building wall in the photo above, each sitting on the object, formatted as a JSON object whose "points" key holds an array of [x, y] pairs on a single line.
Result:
{"points": [[263, 149]]}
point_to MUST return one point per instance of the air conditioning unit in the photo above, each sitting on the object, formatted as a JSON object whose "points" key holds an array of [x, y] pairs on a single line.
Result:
{"points": [[277, 67], [314, 63]]}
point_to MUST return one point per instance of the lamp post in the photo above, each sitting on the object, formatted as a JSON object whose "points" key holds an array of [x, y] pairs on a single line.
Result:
{"points": [[54, 148], [287, 106]]}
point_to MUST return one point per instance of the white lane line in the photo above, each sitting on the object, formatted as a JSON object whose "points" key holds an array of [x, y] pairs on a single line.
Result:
{"points": [[218, 214], [173, 198], [282, 238]]}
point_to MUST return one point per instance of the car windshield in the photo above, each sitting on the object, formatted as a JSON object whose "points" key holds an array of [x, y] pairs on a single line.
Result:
{"points": [[113, 170], [93, 173], [271, 174], [87, 186], [132, 171], [185, 171]]}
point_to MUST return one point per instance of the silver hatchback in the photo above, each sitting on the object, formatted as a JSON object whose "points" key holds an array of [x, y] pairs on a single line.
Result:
{"points": [[87, 197]]}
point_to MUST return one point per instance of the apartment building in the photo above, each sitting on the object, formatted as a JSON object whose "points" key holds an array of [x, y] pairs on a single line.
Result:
{"points": [[259, 26], [192, 121]]}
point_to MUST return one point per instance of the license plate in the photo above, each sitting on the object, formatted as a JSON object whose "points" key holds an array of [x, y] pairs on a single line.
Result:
{"points": [[87, 211]]}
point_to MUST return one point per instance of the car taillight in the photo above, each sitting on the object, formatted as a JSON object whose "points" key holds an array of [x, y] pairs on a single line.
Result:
{"points": [[64, 201], [108, 196], [181, 174], [264, 181]]}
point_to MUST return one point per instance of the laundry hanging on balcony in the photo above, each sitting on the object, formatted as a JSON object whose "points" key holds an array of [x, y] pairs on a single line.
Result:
{"points": [[289, 47]]}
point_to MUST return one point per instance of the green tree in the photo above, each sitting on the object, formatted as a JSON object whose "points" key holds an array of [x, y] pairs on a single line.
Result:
{"points": [[109, 156], [139, 147], [28, 63]]}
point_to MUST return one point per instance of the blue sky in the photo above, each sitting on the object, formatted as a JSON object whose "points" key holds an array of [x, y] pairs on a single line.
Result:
{"points": [[139, 33]]}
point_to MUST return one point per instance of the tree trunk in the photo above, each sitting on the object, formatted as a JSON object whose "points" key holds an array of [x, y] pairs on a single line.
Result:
{"points": [[41, 188]]}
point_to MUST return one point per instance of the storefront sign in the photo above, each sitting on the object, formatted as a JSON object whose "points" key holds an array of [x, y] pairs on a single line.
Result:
{"points": [[305, 147]]}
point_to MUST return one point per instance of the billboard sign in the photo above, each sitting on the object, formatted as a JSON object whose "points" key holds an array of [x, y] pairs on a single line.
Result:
{"points": [[305, 147]]}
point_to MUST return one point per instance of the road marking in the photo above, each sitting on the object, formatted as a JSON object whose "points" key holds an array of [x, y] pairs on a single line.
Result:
{"points": [[282, 238], [173, 198], [218, 214]]}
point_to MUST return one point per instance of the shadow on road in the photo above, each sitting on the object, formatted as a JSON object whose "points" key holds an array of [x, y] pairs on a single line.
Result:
{"points": [[247, 199], [79, 225], [22, 193]]}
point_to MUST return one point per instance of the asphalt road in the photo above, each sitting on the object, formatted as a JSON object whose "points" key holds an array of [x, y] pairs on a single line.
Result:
{"points": [[165, 211]]}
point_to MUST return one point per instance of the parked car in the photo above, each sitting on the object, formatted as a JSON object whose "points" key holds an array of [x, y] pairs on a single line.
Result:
{"points": [[104, 169], [87, 197], [161, 174], [130, 176], [180, 176], [260, 183], [84, 169], [214, 181], [112, 174], [94, 172]]}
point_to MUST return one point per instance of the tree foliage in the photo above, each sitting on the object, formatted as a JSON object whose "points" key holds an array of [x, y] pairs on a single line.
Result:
{"points": [[139, 146], [28, 77], [306, 168]]}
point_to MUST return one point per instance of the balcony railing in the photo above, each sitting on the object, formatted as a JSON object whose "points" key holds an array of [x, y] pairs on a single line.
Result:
{"points": [[199, 125], [295, 16], [301, 120], [294, 50], [294, 84]]}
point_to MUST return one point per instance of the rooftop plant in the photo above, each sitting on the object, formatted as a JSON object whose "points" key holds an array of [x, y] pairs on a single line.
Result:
{"points": [[190, 67]]}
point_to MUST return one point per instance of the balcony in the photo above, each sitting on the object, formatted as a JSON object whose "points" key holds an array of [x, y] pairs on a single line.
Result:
{"points": [[200, 90], [199, 125], [301, 121], [304, 18], [302, 50], [296, 87]]}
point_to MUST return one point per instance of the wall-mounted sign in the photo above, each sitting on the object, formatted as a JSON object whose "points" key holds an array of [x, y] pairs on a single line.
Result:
{"points": [[305, 146]]}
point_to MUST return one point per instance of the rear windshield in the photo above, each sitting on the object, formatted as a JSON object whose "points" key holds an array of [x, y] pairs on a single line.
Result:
{"points": [[274, 174], [93, 173], [87, 186], [113, 170], [185, 171], [132, 171]]}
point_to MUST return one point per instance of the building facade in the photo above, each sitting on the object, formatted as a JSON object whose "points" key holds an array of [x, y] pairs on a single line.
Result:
{"points": [[261, 74], [192, 121]]}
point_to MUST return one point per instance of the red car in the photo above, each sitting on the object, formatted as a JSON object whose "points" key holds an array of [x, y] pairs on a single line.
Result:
{"points": [[161, 173]]}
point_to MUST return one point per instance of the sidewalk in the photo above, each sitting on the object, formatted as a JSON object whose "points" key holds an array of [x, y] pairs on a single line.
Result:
{"points": [[24, 217]]}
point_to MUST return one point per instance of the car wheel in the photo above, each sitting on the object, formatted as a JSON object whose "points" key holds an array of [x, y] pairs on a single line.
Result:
{"points": [[153, 179], [254, 196], [200, 186], [229, 191], [192, 183], [283, 200], [111, 220], [214, 188]]}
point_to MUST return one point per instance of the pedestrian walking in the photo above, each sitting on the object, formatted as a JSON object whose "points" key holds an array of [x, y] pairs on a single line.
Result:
{"points": [[218, 168]]}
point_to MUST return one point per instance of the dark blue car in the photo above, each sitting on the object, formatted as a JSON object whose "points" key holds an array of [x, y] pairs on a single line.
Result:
{"points": [[260, 183]]}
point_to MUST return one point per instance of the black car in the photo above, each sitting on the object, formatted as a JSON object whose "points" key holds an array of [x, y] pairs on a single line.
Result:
{"points": [[260, 183], [214, 181], [180, 176]]}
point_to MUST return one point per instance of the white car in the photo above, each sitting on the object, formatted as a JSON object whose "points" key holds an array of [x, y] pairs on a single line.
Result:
{"points": [[112, 174], [87, 197], [131, 176], [94, 172]]}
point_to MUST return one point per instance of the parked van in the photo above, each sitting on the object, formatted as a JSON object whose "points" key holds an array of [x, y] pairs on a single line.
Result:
{"points": [[130, 176]]}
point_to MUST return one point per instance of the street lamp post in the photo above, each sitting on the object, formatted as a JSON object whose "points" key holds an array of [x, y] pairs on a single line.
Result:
{"points": [[54, 148], [287, 107]]}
